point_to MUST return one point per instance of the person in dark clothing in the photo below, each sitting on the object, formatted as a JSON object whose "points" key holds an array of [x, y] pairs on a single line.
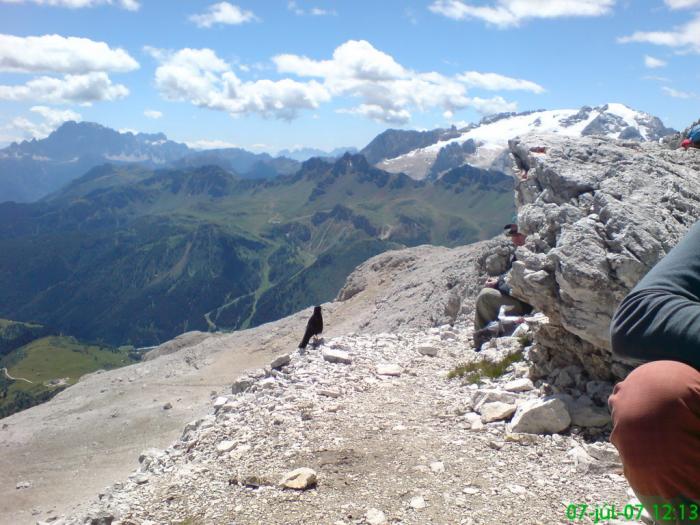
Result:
{"points": [[656, 409], [313, 327]]}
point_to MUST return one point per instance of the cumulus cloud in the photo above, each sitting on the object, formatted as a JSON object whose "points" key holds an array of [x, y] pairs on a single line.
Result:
{"points": [[51, 118], [71, 89], [131, 5], [677, 94], [58, 54], [685, 38], [386, 91], [654, 63], [152, 113], [223, 13], [682, 4], [202, 78], [496, 82], [508, 13]]}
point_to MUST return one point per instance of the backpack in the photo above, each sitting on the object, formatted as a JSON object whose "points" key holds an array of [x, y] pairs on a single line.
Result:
{"points": [[694, 134]]}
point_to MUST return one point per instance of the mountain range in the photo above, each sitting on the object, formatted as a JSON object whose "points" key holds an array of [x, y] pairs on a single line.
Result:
{"points": [[30, 170], [162, 239], [132, 255]]}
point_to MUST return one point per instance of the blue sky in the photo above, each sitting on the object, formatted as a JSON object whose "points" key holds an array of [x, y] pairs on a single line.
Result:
{"points": [[270, 74]]}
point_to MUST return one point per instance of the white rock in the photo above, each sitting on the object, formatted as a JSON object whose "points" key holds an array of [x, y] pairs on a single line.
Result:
{"points": [[220, 401], [299, 479], [496, 411], [336, 356], [225, 446], [417, 502], [375, 517], [428, 350], [242, 384], [280, 361], [541, 416], [522, 384], [389, 370], [489, 395], [23, 485], [474, 420], [437, 467]]}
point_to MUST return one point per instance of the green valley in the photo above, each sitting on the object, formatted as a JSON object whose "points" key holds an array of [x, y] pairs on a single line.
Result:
{"points": [[129, 255]]}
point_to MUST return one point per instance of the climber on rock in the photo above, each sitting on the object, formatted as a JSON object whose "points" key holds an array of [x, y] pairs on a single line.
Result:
{"points": [[496, 294], [656, 409], [693, 138]]}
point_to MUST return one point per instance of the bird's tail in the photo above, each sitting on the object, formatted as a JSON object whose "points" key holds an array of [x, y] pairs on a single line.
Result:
{"points": [[304, 341]]}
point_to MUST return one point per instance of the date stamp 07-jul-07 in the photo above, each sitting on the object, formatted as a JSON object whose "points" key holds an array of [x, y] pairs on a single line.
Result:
{"points": [[686, 513]]}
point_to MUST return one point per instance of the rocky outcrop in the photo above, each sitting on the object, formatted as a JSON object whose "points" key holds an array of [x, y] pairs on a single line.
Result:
{"points": [[599, 214], [424, 286]]}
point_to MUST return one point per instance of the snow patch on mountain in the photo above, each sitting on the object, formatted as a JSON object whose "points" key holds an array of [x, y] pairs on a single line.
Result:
{"points": [[491, 135]]}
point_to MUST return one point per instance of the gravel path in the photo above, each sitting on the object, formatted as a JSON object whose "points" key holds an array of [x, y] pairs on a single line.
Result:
{"points": [[386, 449]]}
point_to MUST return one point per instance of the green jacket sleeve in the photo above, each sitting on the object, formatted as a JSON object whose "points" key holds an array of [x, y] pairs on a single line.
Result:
{"points": [[660, 318]]}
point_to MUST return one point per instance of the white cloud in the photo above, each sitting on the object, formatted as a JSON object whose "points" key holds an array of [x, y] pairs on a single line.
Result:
{"points": [[223, 13], [654, 63], [380, 113], [23, 128], [686, 37], [386, 90], [682, 4], [131, 5], [505, 13], [210, 144], [677, 94], [314, 11], [71, 89], [656, 78], [496, 82], [202, 78], [152, 113], [58, 54]]}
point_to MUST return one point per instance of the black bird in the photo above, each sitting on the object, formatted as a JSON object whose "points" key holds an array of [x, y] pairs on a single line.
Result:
{"points": [[313, 327]]}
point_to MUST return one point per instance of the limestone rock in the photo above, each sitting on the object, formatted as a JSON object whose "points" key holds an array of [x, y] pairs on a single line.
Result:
{"points": [[599, 215], [225, 446], [299, 479], [586, 414], [522, 384], [389, 370], [241, 384], [336, 356], [417, 502], [496, 411], [375, 517], [428, 350], [541, 416], [280, 361]]}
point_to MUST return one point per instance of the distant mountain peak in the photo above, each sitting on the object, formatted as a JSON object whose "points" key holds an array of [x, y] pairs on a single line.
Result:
{"points": [[489, 138]]}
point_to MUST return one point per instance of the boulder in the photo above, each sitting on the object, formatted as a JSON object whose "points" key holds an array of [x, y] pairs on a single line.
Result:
{"points": [[541, 416], [280, 361], [299, 479], [496, 411], [599, 214]]}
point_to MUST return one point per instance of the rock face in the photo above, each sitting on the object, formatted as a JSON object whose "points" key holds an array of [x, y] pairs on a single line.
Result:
{"points": [[599, 214], [424, 286]]}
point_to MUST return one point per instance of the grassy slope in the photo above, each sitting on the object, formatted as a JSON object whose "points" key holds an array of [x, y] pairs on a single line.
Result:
{"points": [[51, 358]]}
